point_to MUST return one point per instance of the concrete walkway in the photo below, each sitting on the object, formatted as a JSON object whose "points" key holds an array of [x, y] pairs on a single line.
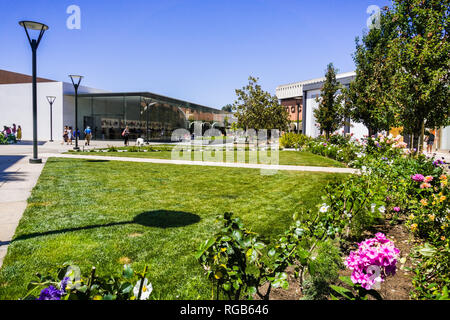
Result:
{"points": [[17, 178], [209, 164]]}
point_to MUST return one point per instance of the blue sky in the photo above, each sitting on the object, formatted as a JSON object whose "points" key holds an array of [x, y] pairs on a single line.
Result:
{"points": [[195, 50]]}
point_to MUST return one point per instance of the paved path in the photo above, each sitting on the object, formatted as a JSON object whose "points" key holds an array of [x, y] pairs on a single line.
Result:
{"points": [[209, 164], [17, 179]]}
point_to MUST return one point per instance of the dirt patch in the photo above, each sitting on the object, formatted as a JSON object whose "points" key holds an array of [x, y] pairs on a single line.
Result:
{"points": [[396, 287]]}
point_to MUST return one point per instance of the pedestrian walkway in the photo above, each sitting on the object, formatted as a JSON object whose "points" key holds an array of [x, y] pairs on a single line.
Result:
{"points": [[210, 164], [17, 179]]}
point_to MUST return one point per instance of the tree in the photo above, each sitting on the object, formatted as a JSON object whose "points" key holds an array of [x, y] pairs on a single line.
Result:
{"points": [[228, 108], [368, 99], [420, 55], [258, 109], [330, 112]]}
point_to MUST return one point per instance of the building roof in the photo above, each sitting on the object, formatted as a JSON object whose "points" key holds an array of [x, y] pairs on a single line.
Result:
{"points": [[155, 97], [8, 77], [294, 90]]}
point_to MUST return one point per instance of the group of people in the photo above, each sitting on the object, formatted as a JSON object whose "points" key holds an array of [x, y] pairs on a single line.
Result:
{"points": [[70, 134], [16, 131]]}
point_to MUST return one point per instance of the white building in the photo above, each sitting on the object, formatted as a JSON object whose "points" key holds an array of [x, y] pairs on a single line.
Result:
{"points": [[16, 104], [146, 114]]}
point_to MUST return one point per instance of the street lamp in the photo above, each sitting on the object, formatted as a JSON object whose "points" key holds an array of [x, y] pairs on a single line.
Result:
{"points": [[148, 104], [34, 43], [76, 80], [50, 100]]}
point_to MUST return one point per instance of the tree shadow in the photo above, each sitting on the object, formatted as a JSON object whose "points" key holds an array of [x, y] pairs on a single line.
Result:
{"points": [[163, 219], [7, 161]]}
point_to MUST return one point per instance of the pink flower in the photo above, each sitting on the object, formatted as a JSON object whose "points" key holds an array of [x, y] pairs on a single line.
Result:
{"points": [[428, 179], [377, 253], [418, 177], [425, 185], [397, 209]]}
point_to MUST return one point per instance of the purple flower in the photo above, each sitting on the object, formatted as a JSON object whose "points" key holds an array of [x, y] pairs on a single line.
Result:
{"points": [[50, 293], [64, 284]]}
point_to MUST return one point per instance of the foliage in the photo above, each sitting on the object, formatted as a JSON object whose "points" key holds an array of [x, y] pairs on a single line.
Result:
{"points": [[367, 99], [238, 262], [356, 291], [293, 140], [69, 285], [258, 109], [431, 272], [330, 112], [7, 139], [420, 55]]}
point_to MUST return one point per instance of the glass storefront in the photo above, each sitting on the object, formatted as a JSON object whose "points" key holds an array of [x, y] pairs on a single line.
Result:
{"points": [[109, 114]]}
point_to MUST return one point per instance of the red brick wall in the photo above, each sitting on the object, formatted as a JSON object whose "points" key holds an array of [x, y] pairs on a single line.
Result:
{"points": [[7, 77]]}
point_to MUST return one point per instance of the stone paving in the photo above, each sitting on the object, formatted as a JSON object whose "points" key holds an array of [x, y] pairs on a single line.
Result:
{"points": [[17, 179]]}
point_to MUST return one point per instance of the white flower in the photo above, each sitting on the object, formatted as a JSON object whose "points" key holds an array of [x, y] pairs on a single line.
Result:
{"points": [[382, 209], [147, 289], [372, 207], [324, 208]]}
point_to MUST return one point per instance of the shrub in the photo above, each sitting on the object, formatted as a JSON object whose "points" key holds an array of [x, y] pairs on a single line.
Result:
{"points": [[71, 285]]}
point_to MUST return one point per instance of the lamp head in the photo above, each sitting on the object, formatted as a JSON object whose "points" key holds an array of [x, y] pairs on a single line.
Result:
{"points": [[32, 25], [37, 26], [51, 99], [76, 80]]}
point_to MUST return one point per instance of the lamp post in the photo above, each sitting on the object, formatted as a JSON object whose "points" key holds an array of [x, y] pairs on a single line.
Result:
{"points": [[148, 104], [34, 43], [50, 100], [76, 80]]}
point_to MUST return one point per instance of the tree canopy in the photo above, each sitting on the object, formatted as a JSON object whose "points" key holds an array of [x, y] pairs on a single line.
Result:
{"points": [[258, 109]]}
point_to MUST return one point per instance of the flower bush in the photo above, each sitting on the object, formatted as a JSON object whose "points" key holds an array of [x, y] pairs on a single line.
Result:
{"points": [[70, 285], [375, 254]]}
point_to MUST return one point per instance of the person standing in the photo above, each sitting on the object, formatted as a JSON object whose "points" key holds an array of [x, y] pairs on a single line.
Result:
{"points": [[126, 135], [69, 136], [430, 141], [88, 136], [19, 133], [14, 129]]}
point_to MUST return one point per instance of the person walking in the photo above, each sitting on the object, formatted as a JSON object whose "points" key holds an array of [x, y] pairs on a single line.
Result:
{"points": [[87, 136], [14, 129], [126, 135], [19, 133]]}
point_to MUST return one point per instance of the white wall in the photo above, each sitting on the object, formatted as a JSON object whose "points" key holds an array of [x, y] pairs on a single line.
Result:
{"points": [[358, 129], [311, 104], [16, 107], [445, 139]]}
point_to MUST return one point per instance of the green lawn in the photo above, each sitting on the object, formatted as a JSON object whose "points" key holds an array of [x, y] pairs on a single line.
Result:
{"points": [[105, 213], [296, 158]]}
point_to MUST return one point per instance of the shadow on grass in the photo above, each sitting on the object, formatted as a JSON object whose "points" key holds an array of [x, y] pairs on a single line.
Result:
{"points": [[163, 219]]}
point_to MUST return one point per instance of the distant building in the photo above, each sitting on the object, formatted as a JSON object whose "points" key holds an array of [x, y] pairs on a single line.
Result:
{"points": [[299, 98], [107, 113]]}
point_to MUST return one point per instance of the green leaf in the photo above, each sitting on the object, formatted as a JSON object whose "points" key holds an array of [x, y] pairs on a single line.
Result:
{"points": [[127, 271], [343, 292]]}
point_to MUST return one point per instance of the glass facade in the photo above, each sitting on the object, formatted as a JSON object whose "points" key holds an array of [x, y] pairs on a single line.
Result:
{"points": [[109, 114]]}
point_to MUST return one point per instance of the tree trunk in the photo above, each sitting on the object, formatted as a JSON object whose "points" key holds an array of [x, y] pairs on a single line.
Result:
{"points": [[422, 134]]}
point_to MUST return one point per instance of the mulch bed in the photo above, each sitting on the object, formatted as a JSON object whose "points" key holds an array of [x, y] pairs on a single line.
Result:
{"points": [[396, 287]]}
